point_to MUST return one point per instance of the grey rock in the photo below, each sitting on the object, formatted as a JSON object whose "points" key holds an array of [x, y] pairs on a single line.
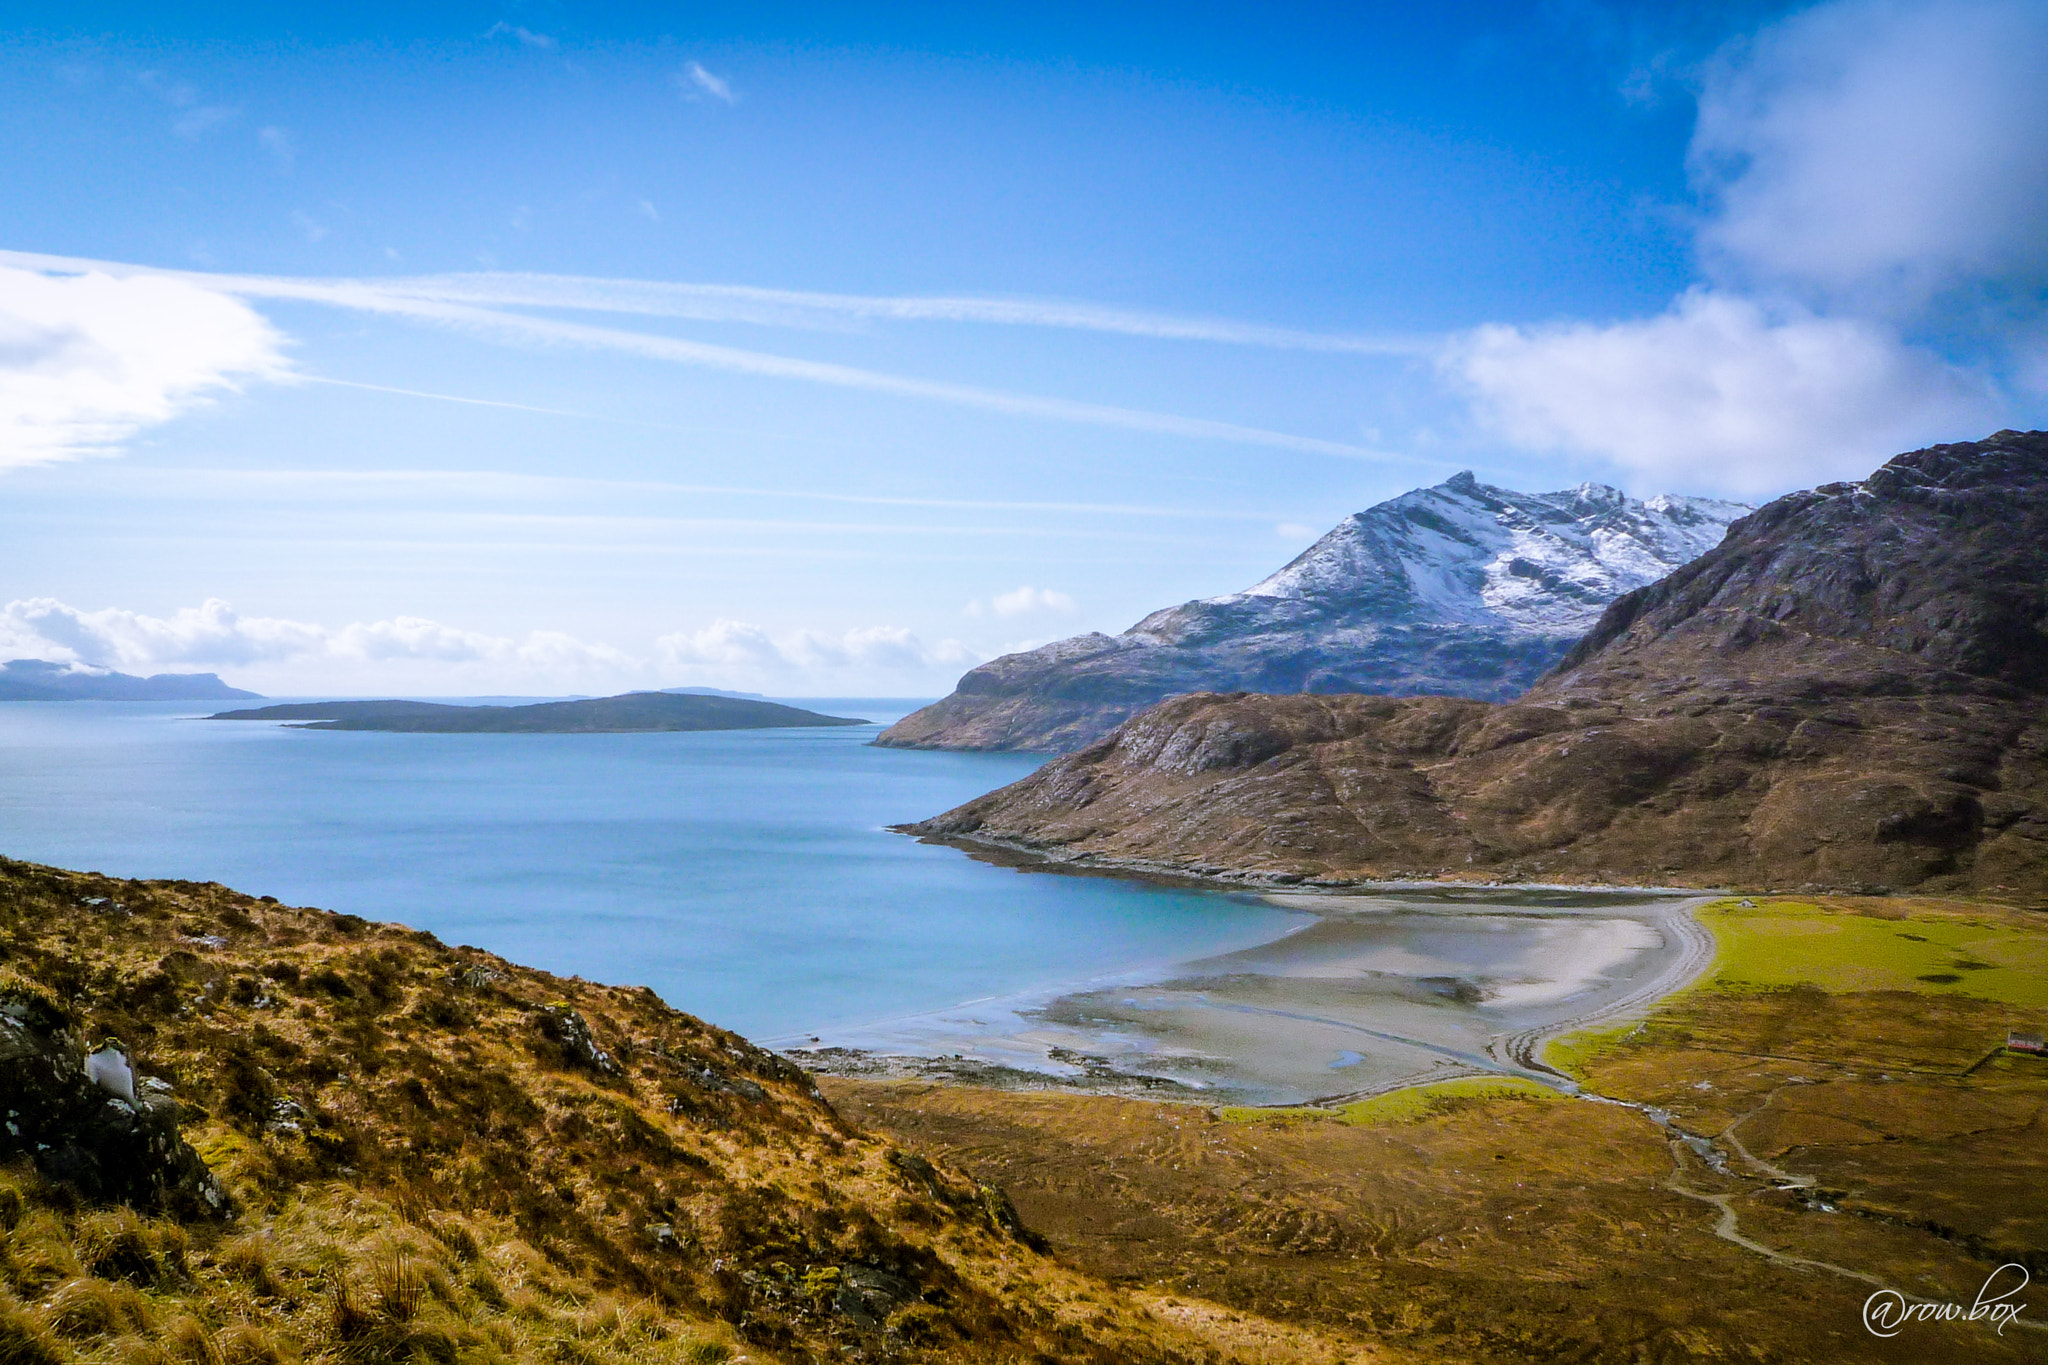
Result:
{"points": [[87, 1125]]}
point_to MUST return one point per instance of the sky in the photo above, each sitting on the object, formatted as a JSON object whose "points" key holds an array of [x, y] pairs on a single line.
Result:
{"points": [[542, 349]]}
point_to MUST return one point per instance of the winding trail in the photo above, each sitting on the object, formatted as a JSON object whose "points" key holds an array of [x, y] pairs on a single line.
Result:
{"points": [[1521, 1051]]}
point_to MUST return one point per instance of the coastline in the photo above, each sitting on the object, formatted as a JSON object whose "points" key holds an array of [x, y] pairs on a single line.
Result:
{"points": [[1023, 857], [1390, 985]]}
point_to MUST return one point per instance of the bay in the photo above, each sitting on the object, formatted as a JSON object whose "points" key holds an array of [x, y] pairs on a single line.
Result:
{"points": [[745, 875]]}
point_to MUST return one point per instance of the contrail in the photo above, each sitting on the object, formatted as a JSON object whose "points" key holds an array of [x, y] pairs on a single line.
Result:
{"points": [[366, 296]]}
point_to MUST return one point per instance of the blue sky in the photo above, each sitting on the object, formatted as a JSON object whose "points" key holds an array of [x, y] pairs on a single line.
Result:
{"points": [[547, 348]]}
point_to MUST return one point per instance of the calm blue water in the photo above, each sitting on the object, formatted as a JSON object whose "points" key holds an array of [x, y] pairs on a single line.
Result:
{"points": [[745, 876]]}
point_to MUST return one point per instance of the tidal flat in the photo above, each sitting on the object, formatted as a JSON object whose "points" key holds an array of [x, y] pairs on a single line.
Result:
{"points": [[1864, 1131], [1364, 993]]}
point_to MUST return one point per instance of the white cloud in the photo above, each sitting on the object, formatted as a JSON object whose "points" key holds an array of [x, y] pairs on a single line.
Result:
{"points": [[737, 648], [308, 224], [1872, 171], [1023, 600], [1719, 392], [370, 296], [695, 82], [1294, 530], [88, 360], [1876, 152], [214, 633], [526, 37], [810, 309]]}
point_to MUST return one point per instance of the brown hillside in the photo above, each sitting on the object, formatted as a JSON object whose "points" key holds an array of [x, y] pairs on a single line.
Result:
{"points": [[430, 1154], [1847, 693]]}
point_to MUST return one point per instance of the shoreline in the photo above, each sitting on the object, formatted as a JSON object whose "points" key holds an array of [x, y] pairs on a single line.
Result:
{"points": [[1024, 857], [1245, 1029]]}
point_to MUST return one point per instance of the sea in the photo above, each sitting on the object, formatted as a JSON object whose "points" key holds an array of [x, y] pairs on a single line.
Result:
{"points": [[748, 877]]}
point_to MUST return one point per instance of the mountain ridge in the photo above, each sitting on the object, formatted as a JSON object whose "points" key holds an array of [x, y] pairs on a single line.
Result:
{"points": [[1463, 589], [1846, 693], [41, 680]]}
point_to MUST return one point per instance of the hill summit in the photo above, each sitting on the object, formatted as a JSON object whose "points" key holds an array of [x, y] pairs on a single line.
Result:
{"points": [[1846, 693], [1463, 589]]}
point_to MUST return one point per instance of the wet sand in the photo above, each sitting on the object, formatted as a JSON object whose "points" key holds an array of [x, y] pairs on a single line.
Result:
{"points": [[1372, 991]]}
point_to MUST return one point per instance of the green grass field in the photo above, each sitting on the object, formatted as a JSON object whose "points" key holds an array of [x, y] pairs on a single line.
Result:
{"points": [[1843, 950], [1409, 1105]]}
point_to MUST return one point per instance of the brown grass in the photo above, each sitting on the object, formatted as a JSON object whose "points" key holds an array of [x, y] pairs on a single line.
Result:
{"points": [[424, 1170], [1504, 1231]]}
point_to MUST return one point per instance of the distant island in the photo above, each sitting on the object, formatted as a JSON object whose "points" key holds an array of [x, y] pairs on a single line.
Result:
{"points": [[41, 680], [629, 713]]}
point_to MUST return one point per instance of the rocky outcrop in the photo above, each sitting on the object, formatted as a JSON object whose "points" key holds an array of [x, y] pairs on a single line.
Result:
{"points": [[89, 1122], [1847, 693], [1463, 589]]}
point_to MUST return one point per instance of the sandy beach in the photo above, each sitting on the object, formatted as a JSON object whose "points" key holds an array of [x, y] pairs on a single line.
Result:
{"points": [[1369, 992]]}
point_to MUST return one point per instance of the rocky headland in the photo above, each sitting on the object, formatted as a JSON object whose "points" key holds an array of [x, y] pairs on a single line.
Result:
{"points": [[1847, 692], [1462, 589]]}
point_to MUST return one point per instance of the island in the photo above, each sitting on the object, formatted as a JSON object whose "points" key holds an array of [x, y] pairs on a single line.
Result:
{"points": [[631, 712]]}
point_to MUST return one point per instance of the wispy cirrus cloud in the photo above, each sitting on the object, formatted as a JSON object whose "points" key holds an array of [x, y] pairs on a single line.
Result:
{"points": [[738, 648], [697, 83], [524, 36], [519, 328], [812, 309]]}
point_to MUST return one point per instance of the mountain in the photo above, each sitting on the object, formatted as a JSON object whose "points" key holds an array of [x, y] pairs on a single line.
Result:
{"points": [[1847, 693], [1463, 589], [38, 680], [629, 713]]}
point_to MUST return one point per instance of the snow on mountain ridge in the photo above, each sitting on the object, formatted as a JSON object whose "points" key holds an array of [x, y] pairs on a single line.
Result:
{"points": [[1464, 551]]}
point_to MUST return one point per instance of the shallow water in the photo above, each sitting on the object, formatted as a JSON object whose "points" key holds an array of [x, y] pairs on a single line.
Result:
{"points": [[745, 875], [1376, 990]]}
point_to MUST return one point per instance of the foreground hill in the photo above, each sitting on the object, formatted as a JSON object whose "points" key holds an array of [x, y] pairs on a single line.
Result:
{"points": [[629, 713], [39, 680], [1463, 589], [1848, 692], [321, 1138]]}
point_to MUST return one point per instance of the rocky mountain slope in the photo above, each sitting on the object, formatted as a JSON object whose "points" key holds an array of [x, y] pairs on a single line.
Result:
{"points": [[1462, 589], [1848, 692], [241, 1133]]}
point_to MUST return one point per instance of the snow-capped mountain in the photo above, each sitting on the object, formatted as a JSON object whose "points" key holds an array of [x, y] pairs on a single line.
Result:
{"points": [[1463, 588]]}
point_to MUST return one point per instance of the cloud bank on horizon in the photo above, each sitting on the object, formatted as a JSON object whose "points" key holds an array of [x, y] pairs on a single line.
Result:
{"points": [[1865, 212], [273, 652]]}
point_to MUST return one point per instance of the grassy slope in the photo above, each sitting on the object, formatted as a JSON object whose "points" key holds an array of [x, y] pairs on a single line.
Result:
{"points": [[1463, 1227], [423, 1172]]}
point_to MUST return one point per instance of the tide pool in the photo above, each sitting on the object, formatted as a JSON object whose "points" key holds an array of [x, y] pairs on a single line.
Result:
{"points": [[745, 875]]}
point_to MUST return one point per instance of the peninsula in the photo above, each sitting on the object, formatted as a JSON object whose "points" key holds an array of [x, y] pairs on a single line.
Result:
{"points": [[1846, 693], [629, 713]]}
